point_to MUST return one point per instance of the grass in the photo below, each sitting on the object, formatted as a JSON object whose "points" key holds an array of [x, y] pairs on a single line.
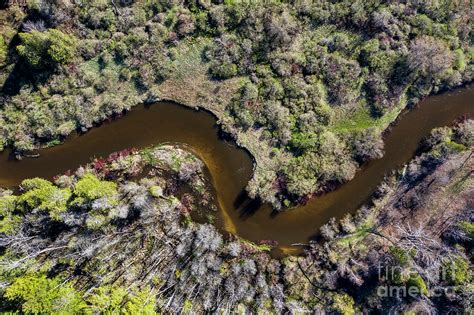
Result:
{"points": [[260, 248], [97, 67], [358, 120], [361, 118], [190, 84], [459, 184], [355, 237], [188, 55]]}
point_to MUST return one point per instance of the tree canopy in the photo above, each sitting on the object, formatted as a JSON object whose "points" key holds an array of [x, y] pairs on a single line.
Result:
{"points": [[46, 48]]}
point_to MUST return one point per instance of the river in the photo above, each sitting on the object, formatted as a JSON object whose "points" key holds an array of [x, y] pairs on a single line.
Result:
{"points": [[232, 167]]}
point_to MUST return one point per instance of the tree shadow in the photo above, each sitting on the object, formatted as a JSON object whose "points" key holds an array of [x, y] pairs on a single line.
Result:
{"points": [[274, 213], [246, 205], [14, 81], [240, 199], [22, 74]]}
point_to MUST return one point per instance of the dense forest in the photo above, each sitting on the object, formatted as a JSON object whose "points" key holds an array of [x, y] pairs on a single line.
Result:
{"points": [[307, 87], [118, 236]]}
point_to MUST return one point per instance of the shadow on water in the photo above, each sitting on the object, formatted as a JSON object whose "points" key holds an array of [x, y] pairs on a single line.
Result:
{"points": [[241, 199], [249, 207]]}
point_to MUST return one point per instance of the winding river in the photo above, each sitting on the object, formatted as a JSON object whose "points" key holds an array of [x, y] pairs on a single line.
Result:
{"points": [[231, 167]]}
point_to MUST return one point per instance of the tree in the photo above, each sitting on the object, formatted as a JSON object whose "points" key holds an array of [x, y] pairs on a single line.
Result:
{"points": [[7, 205], [243, 107], [429, 56], [185, 24], [140, 301], [43, 195], [98, 197], [280, 28], [457, 270], [8, 220], [464, 133], [106, 299], [301, 174], [343, 304], [367, 145], [37, 294], [422, 23], [90, 188], [115, 300], [42, 49]]}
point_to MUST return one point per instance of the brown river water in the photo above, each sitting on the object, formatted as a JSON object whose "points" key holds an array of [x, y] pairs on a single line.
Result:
{"points": [[231, 167]]}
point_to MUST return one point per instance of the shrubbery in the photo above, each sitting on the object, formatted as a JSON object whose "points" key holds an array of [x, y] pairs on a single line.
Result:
{"points": [[42, 195], [356, 55], [296, 70], [48, 48], [3, 51]]}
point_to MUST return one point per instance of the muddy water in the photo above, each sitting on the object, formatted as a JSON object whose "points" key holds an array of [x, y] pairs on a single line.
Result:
{"points": [[231, 168]]}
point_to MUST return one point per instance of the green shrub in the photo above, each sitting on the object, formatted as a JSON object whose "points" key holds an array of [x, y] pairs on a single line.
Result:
{"points": [[41, 49], [43, 195], [401, 256], [302, 142], [467, 227], [37, 294], [224, 70], [418, 282], [3, 51], [8, 220], [90, 188], [457, 271], [422, 24]]}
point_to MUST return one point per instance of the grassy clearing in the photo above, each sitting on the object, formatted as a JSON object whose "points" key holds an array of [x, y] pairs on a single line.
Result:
{"points": [[360, 118], [355, 237], [190, 84], [187, 57]]}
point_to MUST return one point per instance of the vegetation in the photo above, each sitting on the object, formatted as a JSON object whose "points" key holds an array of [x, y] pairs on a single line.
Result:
{"points": [[41, 195], [37, 294], [149, 255], [3, 51], [307, 88], [46, 48]]}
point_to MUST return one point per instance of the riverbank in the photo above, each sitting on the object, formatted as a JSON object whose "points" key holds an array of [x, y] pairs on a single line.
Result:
{"points": [[122, 228], [230, 167], [307, 126]]}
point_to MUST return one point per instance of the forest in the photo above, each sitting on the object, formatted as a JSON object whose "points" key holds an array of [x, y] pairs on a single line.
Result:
{"points": [[308, 88], [118, 236]]}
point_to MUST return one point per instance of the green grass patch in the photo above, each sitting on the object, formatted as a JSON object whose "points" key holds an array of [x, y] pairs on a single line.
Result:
{"points": [[262, 247], [186, 56], [358, 120], [361, 118], [52, 143], [355, 237]]}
